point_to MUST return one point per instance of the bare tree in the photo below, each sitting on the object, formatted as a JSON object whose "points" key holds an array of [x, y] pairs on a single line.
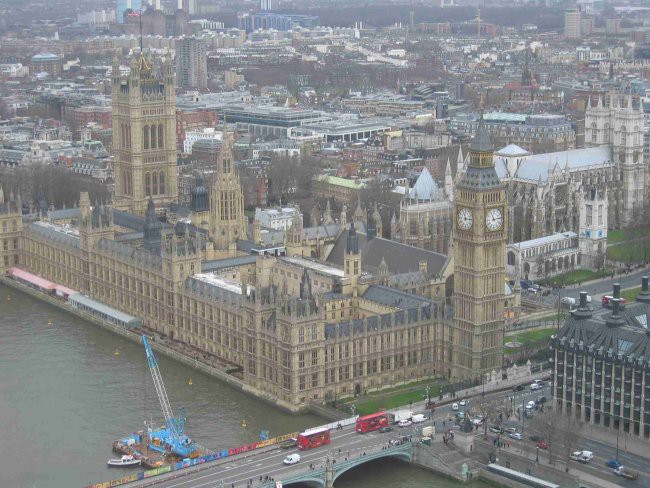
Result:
{"points": [[547, 425], [540, 263], [490, 410], [570, 435]]}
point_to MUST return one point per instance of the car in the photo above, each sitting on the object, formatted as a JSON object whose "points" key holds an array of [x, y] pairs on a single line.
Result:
{"points": [[495, 429], [541, 400], [542, 444], [386, 428], [510, 430], [535, 438], [613, 463], [518, 388], [291, 459], [575, 456], [463, 402], [531, 404], [454, 406], [404, 423], [288, 444], [535, 386], [516, 435]]}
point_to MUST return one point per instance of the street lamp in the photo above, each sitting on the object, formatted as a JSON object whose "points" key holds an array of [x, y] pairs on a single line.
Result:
{"points": [[537, 455]]}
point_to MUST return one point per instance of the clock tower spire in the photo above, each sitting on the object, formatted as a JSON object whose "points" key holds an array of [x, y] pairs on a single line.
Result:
{"points": [[480, 232]]}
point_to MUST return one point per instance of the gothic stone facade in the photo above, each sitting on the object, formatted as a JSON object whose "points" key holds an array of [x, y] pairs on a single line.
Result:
{"points": [[299, 329], [144, 137]]}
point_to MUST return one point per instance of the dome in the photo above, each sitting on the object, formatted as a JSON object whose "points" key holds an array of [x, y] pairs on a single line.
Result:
{"points": [[199, 197]]}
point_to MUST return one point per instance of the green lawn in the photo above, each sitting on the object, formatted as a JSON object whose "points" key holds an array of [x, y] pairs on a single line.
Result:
{"points": [[630, 295], [531, 336], [391, 397], [528, 338], [630, 252], [615, 236], [575, 276]]}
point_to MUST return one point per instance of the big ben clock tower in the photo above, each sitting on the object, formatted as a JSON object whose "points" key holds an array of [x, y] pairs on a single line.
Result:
{"points": [[480, 231]]}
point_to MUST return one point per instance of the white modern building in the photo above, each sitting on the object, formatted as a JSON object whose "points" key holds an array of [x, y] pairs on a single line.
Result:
{"points": [[276, 218], [195, 135]]}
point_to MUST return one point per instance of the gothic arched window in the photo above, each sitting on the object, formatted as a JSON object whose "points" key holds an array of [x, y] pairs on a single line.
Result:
{"points": [[636, 136], [154, 137], [511, 258], [155, 183], [145, 137], [122, 136], [594, 132], [147, 184], [161, 139], [606, 135], [623, 135], [161, 183]]}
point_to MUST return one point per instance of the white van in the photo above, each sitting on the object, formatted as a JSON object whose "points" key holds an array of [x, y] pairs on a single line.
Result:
{"points": [[419, 418]]}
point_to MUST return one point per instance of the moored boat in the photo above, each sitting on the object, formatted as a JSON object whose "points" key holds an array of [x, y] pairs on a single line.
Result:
{"points": [[125, 461]]}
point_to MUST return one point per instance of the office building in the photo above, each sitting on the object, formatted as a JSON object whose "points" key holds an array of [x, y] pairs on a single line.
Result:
{"points": [[191, 64], [572, 24]]}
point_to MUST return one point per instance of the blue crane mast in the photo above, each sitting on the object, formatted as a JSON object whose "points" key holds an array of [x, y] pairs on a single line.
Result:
{"points": [[172, 437]]}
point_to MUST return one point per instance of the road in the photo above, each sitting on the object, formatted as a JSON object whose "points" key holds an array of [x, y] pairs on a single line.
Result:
{"points": [[595, 289], [238, 471], [602, 452], [345, 444]]}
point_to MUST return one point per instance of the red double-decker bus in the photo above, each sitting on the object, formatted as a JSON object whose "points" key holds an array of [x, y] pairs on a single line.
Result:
{"points": [[374, 421], [313, 438]]}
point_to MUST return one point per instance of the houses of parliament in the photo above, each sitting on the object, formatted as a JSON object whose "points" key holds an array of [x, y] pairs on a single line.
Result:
{"points": [[367, 313]]}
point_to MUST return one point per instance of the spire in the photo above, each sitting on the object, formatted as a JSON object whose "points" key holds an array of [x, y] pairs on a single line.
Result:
{"points": [[449, 182], [460, 160], [2, 196], [629, 102], [481, 141], [327, 217], [353, 241]]}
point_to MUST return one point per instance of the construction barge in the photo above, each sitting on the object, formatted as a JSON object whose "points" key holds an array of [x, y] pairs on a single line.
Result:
{"points": [[160, 446], [149, 447]]}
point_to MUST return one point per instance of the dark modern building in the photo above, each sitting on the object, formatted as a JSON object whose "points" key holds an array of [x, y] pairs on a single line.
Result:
{"points": [[601, 364], [282, 22]]}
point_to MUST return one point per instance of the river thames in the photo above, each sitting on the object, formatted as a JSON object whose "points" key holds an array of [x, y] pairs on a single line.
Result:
{"points": [[68, 389]]}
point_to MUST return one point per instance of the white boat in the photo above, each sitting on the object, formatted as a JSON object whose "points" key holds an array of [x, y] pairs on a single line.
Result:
{"points": [[126, 460]]}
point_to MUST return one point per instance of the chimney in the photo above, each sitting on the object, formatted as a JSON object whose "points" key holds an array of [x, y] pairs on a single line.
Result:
{"points": [[644, 294], [615, 319], [584, 310]]}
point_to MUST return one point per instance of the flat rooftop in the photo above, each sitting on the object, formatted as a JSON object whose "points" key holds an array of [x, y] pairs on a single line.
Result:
{"points": [[315, 266]]}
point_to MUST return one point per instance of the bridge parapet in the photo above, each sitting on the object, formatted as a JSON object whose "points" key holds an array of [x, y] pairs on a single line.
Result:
{"points": [[325, 475]]}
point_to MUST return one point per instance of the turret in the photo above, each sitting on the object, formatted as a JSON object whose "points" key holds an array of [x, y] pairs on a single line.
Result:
{"points": [[152, 228], [352, 260]]}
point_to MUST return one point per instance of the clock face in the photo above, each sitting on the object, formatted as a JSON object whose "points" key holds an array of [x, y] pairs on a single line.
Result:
{"points": [[465, 219], [494, 219]]}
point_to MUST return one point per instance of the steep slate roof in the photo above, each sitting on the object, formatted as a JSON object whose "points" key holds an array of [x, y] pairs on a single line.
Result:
{"points": [[394, 298], [540, 165], [400, 258], [630, 337], [425, 187], [512, 150]]}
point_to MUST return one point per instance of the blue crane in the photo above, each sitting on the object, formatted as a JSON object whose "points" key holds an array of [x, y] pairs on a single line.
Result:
{"points": [[173, 435]]}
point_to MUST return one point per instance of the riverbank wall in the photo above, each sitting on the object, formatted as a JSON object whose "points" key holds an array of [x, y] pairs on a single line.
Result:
{"points": [[158, 347]]}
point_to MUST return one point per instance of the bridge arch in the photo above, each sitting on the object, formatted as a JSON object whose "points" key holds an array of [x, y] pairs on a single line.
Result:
{"points": [[340, 468], [314, 482]]}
